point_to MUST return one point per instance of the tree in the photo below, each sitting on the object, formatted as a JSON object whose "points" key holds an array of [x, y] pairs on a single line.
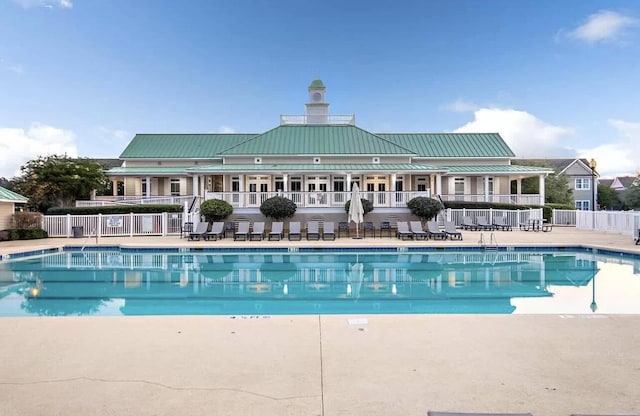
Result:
{"points": [[58, 180], [556, 186], [215, 209], [632, 196], [278, 208], [607, 197], [425, 208], [367, 206]]}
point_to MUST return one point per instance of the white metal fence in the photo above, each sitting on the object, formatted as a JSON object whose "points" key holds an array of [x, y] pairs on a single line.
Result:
{"points": [[621, 222], [116, 225], [512, 217]]}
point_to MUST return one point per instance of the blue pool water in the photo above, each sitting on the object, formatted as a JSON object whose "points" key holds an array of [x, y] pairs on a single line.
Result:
{"points": [[174, 282]]}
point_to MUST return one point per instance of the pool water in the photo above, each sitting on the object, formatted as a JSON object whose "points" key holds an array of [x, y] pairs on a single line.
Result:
{"points": [[116, 282]]}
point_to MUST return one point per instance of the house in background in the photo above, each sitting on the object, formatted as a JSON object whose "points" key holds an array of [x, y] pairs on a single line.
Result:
{"points": [[620, 184], [9, 201], [582, 176], [314, 158]]}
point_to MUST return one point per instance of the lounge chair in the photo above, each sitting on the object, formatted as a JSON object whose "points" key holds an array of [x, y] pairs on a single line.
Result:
{"points": [[276, 232], [257, 231], [242, 233], [430, 413], [418, 232], [313, 230], [484, 224], [434, 232], [294, 231], [199, 231], [328, 230], [217, 231], [403, 232], [468, 224], [229, 228], [450, 229], [500, 223]]}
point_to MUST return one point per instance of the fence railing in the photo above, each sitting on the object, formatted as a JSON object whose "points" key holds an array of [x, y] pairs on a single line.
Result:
{"points": [[117, 225], [512, 217], [522, 199], [136, 200], [621, 222]]}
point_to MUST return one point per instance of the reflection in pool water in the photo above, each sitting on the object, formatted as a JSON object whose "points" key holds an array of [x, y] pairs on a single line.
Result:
{"points": [[149, 283]]}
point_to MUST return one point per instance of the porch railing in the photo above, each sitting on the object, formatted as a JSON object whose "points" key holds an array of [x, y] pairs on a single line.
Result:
{"points": [[135, 200], [522, 199], [317, 199]]}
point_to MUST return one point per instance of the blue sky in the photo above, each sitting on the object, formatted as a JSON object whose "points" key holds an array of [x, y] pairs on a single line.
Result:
{"points": [[556, 79]]}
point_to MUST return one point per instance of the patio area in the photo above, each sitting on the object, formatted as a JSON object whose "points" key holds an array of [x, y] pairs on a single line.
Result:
{"points": [[549, 365]]}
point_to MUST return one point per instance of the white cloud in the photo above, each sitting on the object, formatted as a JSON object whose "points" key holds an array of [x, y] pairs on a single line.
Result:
{"points": [[18, 146], [527, 135], [460, 106], [110, 135], [603, 26], [226, 129], [50, 4], [620, 157]]}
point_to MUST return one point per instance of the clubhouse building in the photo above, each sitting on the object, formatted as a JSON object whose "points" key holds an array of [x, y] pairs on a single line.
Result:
{"points": [[314, 158]]}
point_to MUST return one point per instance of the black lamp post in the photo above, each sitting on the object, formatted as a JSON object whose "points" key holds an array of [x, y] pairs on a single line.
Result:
{"points": [[592, 165]]}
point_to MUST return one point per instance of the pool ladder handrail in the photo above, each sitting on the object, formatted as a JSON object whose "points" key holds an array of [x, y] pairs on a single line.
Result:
{"points": [[493, 242], [93, 232]]}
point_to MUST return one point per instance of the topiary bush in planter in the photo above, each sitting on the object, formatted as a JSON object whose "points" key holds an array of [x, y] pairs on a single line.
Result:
{"points": [[215, 209], [278, 208], [425, 208]]}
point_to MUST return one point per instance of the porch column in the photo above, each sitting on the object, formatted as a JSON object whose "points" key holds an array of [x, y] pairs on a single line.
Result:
{"points": [[486, 189], [349, 182], [439, 184], [542, 197], [285, 181], [147, 193], [114, 187], [196, 185], [242, 191], [393, 182]]}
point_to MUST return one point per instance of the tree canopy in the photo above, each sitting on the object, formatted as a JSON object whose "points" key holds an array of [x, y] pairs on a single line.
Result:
{"points": [[57, 180], [632, 196], [425, 208], [608, 198]]}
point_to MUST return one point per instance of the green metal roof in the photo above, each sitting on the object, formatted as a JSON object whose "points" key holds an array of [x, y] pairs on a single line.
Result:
{"points": [[342, 167], [151, 170], [497, 169], [455, 145], [317, 140], [317, 84], [180, 146], [10, 196]]}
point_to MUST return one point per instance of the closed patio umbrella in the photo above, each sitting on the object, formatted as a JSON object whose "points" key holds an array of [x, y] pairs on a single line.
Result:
{"points": [[356, 212]]}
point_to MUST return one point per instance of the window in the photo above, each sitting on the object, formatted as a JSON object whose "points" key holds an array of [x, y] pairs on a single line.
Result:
{"points": [[144, 186], [279, 183], [583, 183], [175, 187], [583, 205], [490, 186], [235, 184], [458, 186], [421, 184]]}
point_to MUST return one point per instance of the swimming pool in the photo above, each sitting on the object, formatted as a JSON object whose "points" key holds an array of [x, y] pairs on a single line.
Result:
{"points": [[115, 281]]}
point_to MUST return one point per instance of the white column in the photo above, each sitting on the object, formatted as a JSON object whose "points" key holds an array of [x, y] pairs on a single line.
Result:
{"points": [[285, 180], [393, 182], [486, 189], [349, 182], [114, 187], [196, 185], [242, 191], [438, 184], [147, 194], [542, 197]]}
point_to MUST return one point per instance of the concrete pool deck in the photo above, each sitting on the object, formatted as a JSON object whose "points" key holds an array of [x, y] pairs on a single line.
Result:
{"points": [[549, 365]]}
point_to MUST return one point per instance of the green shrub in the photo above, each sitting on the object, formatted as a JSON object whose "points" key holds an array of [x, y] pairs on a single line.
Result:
{"points": [[115, 209], [425, 208], [215, 209], [24, 234], [26, 220], [278, 208], [367, 206]]}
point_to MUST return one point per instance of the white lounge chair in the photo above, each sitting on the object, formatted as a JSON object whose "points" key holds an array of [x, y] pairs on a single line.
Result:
{"points": [[276, 232], [242, 233], [418, 232]]}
